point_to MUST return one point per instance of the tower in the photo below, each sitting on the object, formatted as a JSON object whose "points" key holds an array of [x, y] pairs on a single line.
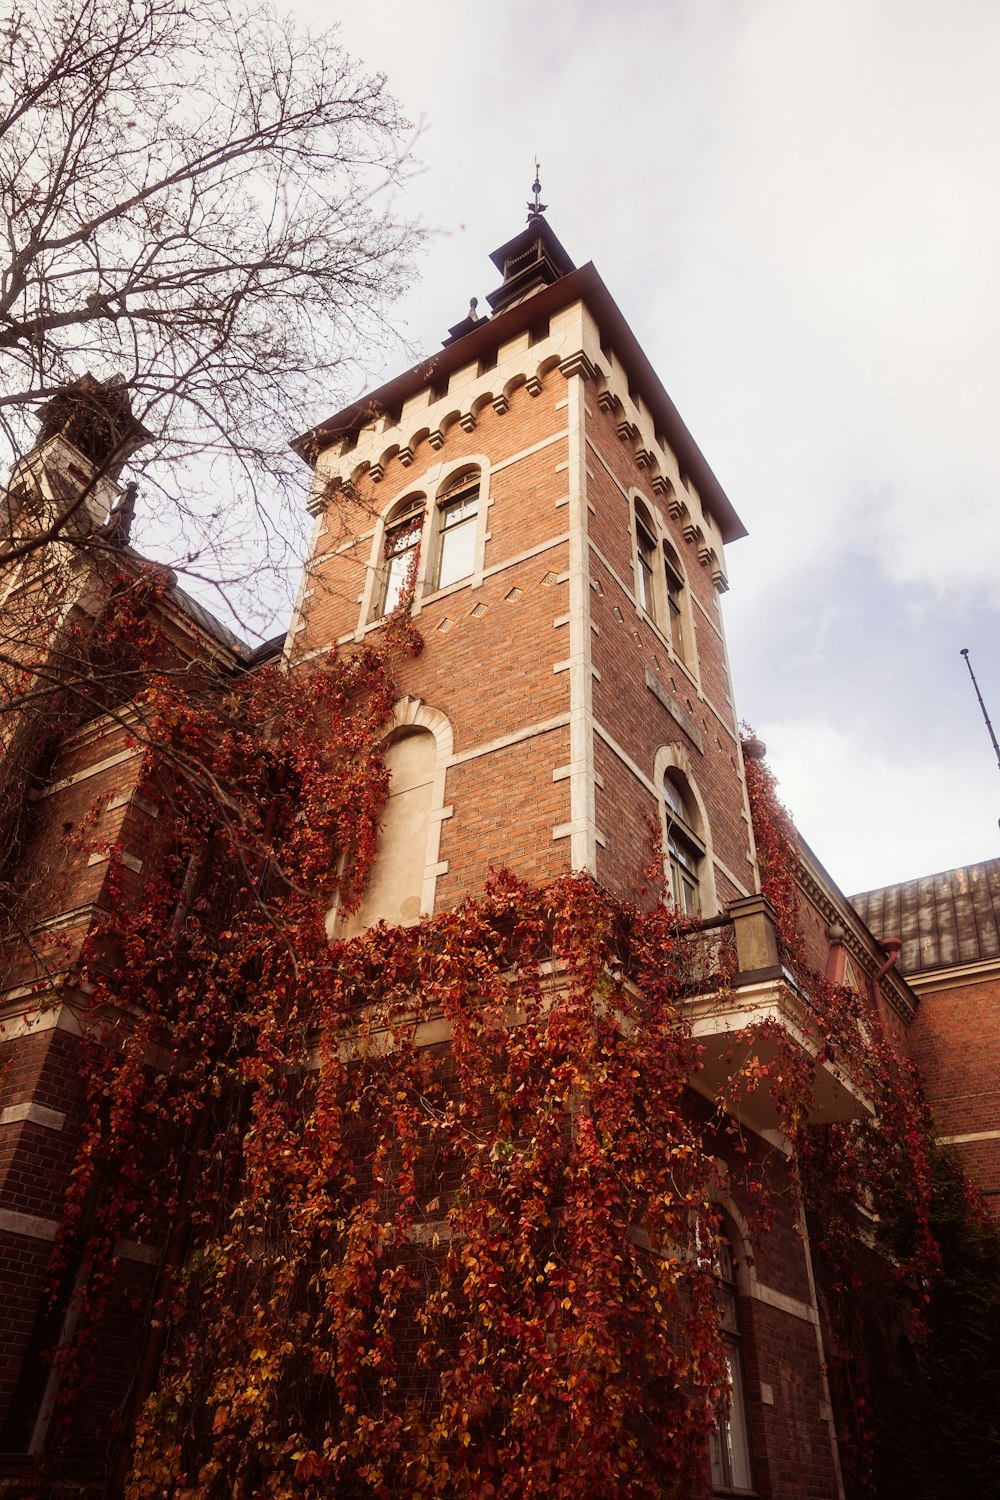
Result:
{"points": [[564, 538]]}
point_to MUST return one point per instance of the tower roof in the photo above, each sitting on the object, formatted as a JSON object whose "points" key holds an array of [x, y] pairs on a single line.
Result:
{"points": [[539, 279]]}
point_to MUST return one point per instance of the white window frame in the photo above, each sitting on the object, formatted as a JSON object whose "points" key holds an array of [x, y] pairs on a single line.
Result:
{"points": [[408, 513], [730, 1447], [465, 483]]}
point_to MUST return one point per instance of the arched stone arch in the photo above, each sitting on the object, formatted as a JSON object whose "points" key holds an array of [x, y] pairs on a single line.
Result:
{"points": [[514, 384], [546, 365]]}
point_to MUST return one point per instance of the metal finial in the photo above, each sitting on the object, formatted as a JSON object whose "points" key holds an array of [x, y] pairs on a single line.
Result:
{"points": [[536, 209]]}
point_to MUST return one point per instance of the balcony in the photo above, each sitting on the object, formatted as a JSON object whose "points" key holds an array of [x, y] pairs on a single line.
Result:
{"points": [[764, 994]]}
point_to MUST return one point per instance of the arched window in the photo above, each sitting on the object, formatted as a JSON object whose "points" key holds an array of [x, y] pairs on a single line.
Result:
{"points": [[400, 551], [645, 562], [675, 600], [660, 588], [395, 886], [685, 851], [732, 1470], [458, 507]]}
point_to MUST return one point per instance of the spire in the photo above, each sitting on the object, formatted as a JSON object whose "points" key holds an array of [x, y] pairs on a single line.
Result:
{"points": [[536, 209], [532, 259]]}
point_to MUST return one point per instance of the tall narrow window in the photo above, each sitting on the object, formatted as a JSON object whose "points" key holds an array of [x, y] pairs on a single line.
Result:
{"points": [[675, 598], [399, 553], [684, 851], [458, 508], [645, 557], [730, 1443]]}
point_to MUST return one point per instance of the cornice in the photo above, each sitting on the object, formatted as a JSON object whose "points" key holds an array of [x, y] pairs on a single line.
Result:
{"points": [[859, 942], [586, 286]]}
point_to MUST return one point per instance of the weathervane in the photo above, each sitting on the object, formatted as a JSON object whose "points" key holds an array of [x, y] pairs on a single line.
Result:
{"points": [[536, 209]]}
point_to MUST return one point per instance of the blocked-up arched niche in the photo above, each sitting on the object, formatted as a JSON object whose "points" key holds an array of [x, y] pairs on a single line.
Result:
{"points": [[395, 886], [402, 882]]}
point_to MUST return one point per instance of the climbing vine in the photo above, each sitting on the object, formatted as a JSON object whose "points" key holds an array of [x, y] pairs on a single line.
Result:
{"points": [[866, 1183], [434, 1206]]}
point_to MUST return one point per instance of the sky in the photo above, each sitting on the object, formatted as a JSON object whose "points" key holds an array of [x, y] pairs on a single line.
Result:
{"points": [[794, 203]]}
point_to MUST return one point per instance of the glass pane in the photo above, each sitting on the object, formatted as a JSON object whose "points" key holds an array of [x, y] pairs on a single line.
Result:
{"points": [[646, 549], [459, 509], [458, 551], [675, 799], [676, 629], [397, 570], [730, 1442]]}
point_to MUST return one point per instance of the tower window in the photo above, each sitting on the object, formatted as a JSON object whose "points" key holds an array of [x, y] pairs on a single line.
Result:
{"points": [[645, 554], [458, 508], [730, 1442], [684, 849], [675, 597], [400, 552]]}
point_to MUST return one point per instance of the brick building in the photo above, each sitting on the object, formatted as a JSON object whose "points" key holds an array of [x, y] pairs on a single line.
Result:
{"points": [[949, 926], [564, 539]]}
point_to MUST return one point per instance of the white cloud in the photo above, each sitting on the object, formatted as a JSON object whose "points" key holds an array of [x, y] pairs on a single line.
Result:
{"points": [[886, 816]]}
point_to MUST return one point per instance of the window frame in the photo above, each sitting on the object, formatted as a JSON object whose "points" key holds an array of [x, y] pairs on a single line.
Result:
{"points": [[676, 588], [454, 494], [684, 853], [646, 569], [731, 1464], [662, 593], [407, 518]]}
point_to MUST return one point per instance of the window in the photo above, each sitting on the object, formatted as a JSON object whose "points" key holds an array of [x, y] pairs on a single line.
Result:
{"points": [[645, 556], [730, 1442], [684, 851], [675, 597], [400, 552], [659, 582], [458, 507]]}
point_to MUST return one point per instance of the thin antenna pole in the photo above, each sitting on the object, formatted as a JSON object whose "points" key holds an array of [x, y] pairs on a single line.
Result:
{"points": [[982, 705]]}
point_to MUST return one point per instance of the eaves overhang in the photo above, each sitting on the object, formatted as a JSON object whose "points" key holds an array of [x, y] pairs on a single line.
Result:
{"points": [[584, 285]]}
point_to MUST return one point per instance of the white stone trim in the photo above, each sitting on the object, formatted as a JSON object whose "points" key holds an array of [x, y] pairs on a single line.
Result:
{"points": [[32, 1113], [85, 773], [584, 837], [31, 1226], [516, 458], [972, 1135], [781, 1300], [490, 747]]}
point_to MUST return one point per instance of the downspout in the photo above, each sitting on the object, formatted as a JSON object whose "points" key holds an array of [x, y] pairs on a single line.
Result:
{"points": [[892, 947]]}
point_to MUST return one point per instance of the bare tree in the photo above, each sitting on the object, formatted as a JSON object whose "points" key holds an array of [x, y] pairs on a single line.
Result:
{"points": [[190, 198]]}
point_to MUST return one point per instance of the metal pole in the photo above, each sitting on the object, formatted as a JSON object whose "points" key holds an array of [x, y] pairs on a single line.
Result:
{"points": [[982, 705]]}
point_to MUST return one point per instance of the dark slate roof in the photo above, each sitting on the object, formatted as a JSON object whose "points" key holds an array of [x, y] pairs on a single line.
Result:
{"points": [[946, 919]]}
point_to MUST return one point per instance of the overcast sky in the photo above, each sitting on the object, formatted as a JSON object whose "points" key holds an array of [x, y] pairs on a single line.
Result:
{"points": [[795, 204]]}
